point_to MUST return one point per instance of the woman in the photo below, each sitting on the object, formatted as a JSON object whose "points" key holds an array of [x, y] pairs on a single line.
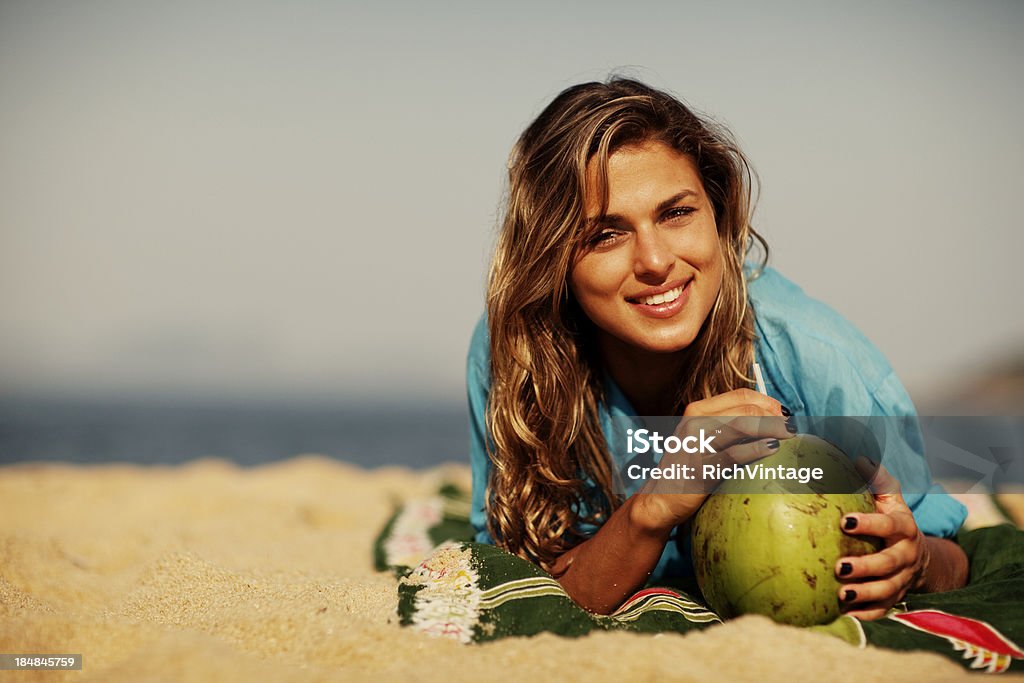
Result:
{"points": [[619, 287]]}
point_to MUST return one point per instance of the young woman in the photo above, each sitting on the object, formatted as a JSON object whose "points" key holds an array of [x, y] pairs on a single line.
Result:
{"points": [[620, 286]]}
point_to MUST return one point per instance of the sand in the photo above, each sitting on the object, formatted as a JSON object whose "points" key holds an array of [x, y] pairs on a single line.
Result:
{"points": [[210, 572]]}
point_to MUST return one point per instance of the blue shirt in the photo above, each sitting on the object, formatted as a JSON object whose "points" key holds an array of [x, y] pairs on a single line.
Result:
{"points": [[814, 362]]}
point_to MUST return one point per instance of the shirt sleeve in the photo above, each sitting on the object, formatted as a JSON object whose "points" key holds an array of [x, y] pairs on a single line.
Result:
{"points": [[478, 383], [935, 511], [821, 365], [882, 424]]}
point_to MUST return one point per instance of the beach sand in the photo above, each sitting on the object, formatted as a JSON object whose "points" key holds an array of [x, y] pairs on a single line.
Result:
{"points": [[210, 572]]}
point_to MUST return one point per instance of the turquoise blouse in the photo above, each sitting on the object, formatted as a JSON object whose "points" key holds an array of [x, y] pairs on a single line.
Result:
{"points": [[814, 362]]}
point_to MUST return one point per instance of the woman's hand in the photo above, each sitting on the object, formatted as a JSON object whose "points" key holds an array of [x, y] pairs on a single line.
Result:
{"points": [[874, 583], [742, 434]]}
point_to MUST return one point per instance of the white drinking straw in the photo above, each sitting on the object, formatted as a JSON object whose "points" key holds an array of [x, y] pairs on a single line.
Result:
{"points": [[760, 379]]}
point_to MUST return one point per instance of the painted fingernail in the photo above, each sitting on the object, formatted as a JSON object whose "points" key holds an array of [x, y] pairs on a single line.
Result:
{"points": [[850, 523], [790, 427], [772, 445], [849, 596], [786, 412], [845, 568]]}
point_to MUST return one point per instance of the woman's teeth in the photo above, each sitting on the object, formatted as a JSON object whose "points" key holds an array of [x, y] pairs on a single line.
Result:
{"points": [[668, 297]]}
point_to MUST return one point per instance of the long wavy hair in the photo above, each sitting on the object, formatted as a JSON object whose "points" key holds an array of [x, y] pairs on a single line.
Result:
{"points": [[551, 471]]}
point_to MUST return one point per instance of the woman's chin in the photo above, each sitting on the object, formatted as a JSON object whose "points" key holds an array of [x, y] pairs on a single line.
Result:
{"points": [[664, 344], [647, 341]]}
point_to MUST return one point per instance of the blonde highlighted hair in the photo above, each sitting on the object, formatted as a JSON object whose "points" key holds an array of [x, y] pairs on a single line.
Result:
{"points": [[551, 469]]}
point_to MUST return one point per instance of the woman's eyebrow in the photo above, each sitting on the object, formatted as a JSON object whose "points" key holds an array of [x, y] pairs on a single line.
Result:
{"points": [[616, 218], [675, 198]]}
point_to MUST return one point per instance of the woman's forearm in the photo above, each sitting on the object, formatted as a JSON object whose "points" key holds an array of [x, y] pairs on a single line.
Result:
{"points": [[600, 573], [947, 567]]}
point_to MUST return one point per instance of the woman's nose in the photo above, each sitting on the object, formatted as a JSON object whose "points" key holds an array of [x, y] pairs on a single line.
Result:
{"points": [[653, 257]]}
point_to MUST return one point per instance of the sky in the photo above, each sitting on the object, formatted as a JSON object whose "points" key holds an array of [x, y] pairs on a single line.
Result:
{"points": [[300, 199]]}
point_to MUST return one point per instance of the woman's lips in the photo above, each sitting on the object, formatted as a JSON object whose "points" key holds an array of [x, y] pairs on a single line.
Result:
{"points": [[668, 307]]}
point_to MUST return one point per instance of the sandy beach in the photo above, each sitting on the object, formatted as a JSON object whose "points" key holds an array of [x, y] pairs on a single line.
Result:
{"points": [[210, 572]]}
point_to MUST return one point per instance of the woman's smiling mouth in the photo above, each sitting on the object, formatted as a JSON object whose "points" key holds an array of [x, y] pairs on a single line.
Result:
{"points": [[662, 302], [666, 298]]}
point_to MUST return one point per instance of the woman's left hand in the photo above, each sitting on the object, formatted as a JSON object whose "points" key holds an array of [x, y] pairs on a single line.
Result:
{"points": [[871, 584]]}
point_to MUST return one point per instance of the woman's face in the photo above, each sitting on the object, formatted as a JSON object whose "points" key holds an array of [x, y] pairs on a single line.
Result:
{"points": [[651, 274]]}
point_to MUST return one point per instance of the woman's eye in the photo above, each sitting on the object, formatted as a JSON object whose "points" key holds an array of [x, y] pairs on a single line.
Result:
{"points": [[603, 238], [679, 212]]}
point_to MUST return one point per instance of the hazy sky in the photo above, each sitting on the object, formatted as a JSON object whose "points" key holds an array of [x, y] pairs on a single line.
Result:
{"points": [[301, 197]]}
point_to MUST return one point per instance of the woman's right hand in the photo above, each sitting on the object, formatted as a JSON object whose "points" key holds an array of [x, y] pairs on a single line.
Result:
{"points": [[746, 425]]}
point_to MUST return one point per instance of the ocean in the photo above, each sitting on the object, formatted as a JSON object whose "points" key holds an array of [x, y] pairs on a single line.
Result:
{"points": [[172, 431]]}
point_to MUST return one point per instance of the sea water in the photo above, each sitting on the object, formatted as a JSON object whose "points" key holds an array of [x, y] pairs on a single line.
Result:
{"points": [[172, 431]]}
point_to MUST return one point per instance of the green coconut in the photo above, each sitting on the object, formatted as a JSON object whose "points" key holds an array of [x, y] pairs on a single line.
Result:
{"points": [[769, 547]]}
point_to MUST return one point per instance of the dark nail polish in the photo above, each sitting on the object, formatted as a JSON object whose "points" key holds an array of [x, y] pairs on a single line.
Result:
{"points": [[845, 568], [849, 596], [772, 445], [850, 523], [790, 426], [785, 411]]}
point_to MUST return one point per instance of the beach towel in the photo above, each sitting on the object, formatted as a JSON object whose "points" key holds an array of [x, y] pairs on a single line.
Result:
{"points": [[451, 587]]}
